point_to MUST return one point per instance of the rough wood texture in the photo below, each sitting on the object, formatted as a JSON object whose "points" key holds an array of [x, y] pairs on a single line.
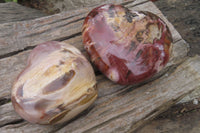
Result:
{"points": [[118, 108], [132, 107], [127, 108], [11, 66], [11, 12], [22, 35], [181, 118], [66, 5], [192, 96], [5, 110]]}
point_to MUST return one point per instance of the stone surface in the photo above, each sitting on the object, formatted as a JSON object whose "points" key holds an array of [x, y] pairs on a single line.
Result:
{"points": [[127, 46], [57, 84]]}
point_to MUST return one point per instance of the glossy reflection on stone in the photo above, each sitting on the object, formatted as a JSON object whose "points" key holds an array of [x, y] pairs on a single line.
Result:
{"points": [[57, 84], [127, 46]]}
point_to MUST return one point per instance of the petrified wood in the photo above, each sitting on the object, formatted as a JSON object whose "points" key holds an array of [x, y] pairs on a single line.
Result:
{"points": [[57, 84], [126, 46], [118, 108]]}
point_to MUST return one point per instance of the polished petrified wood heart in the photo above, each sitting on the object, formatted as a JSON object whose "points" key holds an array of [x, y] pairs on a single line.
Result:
{"points": [[57, 84], [127, 46]]}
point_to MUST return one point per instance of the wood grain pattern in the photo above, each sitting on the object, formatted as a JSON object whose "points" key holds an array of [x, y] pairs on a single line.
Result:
{"points": [[12, 12], [22, 35], [13, 65], [128, 107], [118, 108]]}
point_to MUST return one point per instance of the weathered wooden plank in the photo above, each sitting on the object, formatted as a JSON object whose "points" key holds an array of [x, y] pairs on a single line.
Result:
{"points": [[181, 118], [192, 96], [118, 107], [12, 12], [68, 5], [178, 54], [105, 87], [30, 128], [129, 107], [7, 114], [12, 66], [20, 35]]}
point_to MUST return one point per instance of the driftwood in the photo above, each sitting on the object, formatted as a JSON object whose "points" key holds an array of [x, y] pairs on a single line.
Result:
{"points": [[11, 12], [181, 118], [52, 28], [15, 37], [118, 108]]}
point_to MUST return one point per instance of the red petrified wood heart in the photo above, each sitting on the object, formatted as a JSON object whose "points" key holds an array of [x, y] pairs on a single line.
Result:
{"points": [[127, 46]]}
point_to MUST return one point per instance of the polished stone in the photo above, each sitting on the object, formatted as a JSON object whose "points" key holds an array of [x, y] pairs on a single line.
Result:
{"points": [[127, 46]]}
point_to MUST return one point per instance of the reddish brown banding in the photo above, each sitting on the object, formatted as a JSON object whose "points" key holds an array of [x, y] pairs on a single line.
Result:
{"points": [[59, 117], [127, 46]]}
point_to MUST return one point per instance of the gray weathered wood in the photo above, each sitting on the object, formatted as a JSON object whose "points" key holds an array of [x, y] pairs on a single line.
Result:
{"points": [[12, 12], [181, 118], [67, 5], [7, 114], [11, 66], [20, 35], [129, 107], [118, 108], [192, 96], [178, 54]]}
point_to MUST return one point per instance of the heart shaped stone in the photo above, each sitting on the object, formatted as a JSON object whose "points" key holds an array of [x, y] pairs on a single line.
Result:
{"points": [[57, 84], [127, 46]]}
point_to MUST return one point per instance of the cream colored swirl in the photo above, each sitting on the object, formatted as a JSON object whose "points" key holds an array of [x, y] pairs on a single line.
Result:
{"points": [[57, 84]]}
